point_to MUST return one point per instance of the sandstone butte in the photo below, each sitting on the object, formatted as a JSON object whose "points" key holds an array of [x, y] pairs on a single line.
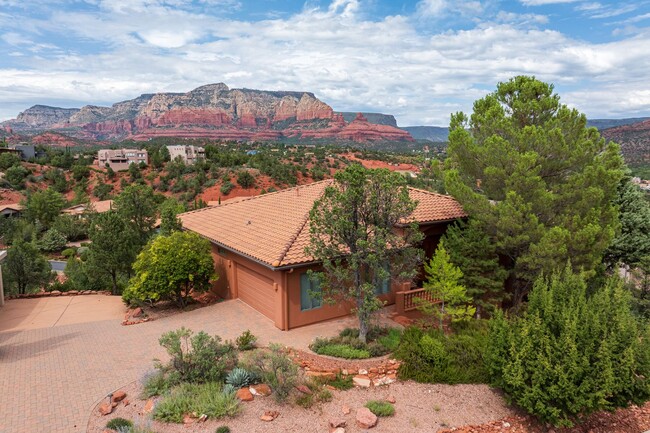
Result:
{"points": [[212, 111]]}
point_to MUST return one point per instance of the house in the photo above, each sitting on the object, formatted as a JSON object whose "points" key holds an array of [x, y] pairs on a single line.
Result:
{"points": [[97, 206], [12, 209], [121, 159], [258, 246], [189, 154]]}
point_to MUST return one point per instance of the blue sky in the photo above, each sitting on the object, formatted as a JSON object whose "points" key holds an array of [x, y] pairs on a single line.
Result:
{"points": [[419, 60]]}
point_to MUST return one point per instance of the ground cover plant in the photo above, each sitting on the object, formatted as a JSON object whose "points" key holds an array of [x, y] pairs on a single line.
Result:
{"points": [[347, 344], [275, 368], [118, 423], [381, 408], [205, 398], [435, 357]]}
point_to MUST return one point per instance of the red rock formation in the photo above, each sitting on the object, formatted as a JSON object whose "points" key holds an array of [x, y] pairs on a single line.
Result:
{"points": [[193, 116]]}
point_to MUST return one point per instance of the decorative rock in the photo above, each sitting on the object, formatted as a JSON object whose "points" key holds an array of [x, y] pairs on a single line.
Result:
{"points": [[383, 381], [365, 418], [244, 394], [391, 399], [137, 312], [126, 402], [148, 406], [304, 389], [344, 372], [363, 372], [260, 389], [118, 396], [339, 430], [337, 422], [362, 381], [203, 418], [270, 415], [55, 293], [105, 409], [346, 409]]}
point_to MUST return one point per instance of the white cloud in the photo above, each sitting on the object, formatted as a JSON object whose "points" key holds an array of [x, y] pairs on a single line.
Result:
{"points": [[544, 2], [350, 62]]}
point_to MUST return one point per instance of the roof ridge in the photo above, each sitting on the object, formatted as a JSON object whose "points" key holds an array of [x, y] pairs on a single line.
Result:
{"points": [[430, 192], [259, 196], [295, 236]]}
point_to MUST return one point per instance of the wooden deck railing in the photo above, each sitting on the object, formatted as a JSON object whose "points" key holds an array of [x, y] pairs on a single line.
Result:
{"points": [[406, 299]]}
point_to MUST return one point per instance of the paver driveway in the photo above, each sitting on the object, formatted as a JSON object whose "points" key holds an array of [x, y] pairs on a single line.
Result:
{"points": [[51, 377]]}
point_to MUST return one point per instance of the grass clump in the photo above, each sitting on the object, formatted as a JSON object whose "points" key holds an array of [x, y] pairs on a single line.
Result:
{"points": [[222, 429], [275, 368], [206, 398], [380, 341], [119, 423], [246, 341], [381, 408]]}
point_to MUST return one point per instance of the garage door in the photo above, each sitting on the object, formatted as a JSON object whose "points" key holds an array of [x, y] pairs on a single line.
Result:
{"points": [[256, 290]]}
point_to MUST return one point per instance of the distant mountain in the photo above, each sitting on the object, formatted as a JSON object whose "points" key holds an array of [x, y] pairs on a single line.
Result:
{"points": [[376, 118], [211, 111], [634, 140], [437, 134], [611, 123]]}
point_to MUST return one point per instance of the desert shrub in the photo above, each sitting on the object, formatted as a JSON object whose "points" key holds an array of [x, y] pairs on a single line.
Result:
{"points": [[240, 377], [347, 344], [118, 423], [305, 401], [571, 353], [246, 341], [222, 429], [432, 357], [381, 408], [205, 398], [275, 368], [8, 160], [245, 179], [324, 395], [52, 240], [226, 187], [69, 252], [196, 358], [154, 383]]}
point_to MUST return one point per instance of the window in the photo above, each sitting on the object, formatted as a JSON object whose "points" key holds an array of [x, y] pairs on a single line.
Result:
{"points": [[383, 286], [309, 287]]}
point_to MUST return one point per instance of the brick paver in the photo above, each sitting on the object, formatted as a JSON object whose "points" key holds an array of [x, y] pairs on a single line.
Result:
{"points": [[52, 377]]}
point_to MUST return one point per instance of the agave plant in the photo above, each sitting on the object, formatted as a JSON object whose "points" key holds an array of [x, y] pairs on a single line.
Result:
{"points": [[239, 378]]}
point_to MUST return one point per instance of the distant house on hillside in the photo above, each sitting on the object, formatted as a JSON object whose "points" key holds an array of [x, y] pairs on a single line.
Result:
{"points": [[189, 154], [258, 247], [12, 209], [97, 206], [121, 159]]}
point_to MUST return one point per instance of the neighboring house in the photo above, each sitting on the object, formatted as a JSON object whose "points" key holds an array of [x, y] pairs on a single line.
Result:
{"points": [[97, 206], [27, 151], [189, 154], [121, 159], [12, 209], [258, 246]]}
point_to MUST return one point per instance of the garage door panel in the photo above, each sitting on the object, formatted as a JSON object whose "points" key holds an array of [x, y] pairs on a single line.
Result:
{"points": [[256, 290]]}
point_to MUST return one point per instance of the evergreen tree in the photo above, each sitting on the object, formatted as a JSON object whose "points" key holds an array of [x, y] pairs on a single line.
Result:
{"points": [[352, 232], [470, 249], [137, 205], [25, 269], [443, 283], [571, 354], [632, 242], [169, 221], [44, 207], [539, 181]]}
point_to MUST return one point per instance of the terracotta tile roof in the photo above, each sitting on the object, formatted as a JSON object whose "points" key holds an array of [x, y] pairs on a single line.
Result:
{"points": [[274, 228], [97, 206], [13, 206]]}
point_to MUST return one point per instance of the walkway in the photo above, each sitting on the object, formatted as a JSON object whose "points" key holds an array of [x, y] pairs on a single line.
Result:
{"points": [[51, 377]]}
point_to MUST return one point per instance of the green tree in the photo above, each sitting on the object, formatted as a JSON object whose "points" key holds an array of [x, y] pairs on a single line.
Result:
{"points": [[245, 179], [571, 354], [8, 160], [470, 249], [632, 242], [52, 240], [25, 269], [169, 221], [16, 176], [443, 283], [56, 177], [72, 228], [80, 172], [103, 191], [352, 232], [539, 182], [113, 248], [44, 206], [137, 205], [171, 267]]}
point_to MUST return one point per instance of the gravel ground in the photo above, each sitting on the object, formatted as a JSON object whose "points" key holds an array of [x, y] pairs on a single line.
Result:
{"points": [[418, 408]]}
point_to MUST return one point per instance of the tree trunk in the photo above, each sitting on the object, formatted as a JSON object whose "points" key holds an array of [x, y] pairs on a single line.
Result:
{"points": [[442, 313], [114, 279]]}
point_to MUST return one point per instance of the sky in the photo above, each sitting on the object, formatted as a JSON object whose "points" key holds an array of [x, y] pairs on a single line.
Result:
{"points": [[418, 60]]}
